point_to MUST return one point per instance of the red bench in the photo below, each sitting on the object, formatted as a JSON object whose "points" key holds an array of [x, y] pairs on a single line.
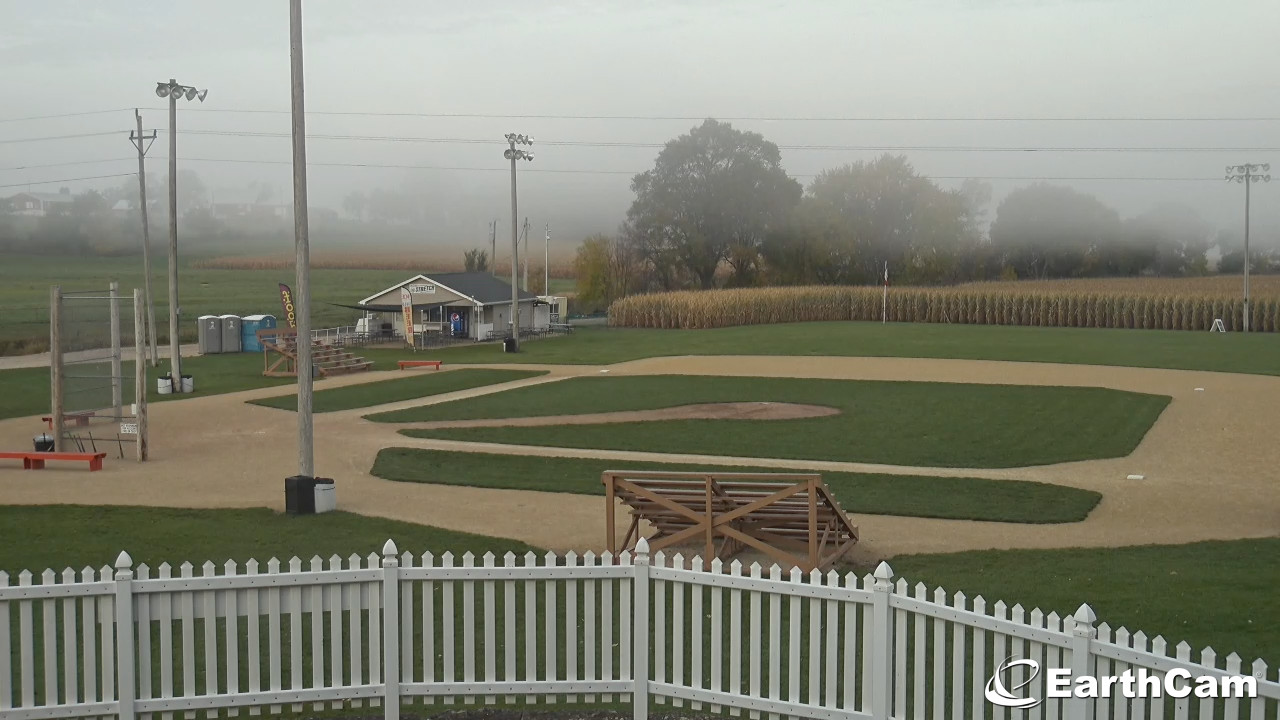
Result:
{"points": [[36, 460], [419, 363], [80, 419]]}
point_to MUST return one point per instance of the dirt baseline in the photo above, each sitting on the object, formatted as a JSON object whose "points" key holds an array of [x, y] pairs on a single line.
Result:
{"points": [[704, 411]]}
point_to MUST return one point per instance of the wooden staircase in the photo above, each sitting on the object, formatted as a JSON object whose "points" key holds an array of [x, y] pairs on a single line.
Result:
{"points": [[280, 356]]}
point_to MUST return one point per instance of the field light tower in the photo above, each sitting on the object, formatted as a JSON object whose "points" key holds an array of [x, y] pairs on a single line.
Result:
{"points": [[173, 91], [513, 154], [1247, 174]]}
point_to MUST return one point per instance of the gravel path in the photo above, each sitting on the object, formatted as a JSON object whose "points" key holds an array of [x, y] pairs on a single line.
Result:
{"points": [[1210, 462]]}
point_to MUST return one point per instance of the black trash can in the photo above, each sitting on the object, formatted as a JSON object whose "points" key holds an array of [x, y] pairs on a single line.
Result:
{"points": [[300, 495], [509, 345], [44, 443]]}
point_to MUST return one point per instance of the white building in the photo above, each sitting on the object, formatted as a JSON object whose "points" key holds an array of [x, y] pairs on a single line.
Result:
{"points": [[473, 305]]}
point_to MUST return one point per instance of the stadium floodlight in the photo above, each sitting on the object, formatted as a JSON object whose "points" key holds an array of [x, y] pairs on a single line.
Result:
{"points": [[175, 91], [1247, 174]]}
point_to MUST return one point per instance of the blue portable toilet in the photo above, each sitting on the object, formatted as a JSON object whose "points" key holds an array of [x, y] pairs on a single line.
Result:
{"points": [[249, 327]]}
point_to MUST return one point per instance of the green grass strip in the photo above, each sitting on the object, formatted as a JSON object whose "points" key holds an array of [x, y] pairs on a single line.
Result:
{"points": [[1207, 593], [1254, 353], [75, 536], [1012, 501], [896, 423], [382, 392]]}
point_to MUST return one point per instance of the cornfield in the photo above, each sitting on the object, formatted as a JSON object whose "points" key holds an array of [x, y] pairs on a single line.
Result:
{"points": [[1175, 304]]}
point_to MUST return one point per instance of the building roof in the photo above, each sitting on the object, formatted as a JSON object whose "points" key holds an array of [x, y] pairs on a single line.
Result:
{"points": [[480, 287], [45, 196]]}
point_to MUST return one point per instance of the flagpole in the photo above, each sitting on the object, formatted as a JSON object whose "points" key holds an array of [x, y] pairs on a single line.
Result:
{"points": [[884, 303]]}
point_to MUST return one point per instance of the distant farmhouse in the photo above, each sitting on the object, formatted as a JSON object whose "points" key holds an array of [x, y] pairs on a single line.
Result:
{"points": [[39, 204]]}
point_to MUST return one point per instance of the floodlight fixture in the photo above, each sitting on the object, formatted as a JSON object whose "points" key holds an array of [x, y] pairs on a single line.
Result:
{"points": [[162, 90]]}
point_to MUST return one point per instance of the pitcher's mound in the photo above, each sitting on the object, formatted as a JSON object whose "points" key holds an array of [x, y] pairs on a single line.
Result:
{"points": [[705, 411]]}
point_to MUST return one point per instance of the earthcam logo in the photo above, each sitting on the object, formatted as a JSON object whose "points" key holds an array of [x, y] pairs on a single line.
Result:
{"points": [[1058, 684], [998, 694]]}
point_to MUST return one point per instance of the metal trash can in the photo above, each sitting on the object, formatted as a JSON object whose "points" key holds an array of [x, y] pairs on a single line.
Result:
{"points": [[326, 495], [188, 384], [164, 385], [44, 443], [509, 345], [300, 495]]}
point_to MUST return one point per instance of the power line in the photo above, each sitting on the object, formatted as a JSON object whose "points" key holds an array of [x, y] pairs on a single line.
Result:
{"points": [[63, 115], [53, 182], [58, 137], [398, 166], [64, 164], [851, 148], [760, 118]]}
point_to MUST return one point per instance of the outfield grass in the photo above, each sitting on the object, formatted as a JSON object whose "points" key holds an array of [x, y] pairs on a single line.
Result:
{"points": [[1210, 593], [899, 423], [1256, 353], [407, 388], [75, 536], [25, 282], [872, 494]]}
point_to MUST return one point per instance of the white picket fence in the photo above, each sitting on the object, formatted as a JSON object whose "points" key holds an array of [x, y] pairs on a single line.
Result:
{"points": [[395, 630]]}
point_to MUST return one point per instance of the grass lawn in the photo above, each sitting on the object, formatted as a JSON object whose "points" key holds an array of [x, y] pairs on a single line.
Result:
{"points": [[899, 423], [25, 282], [1257, 353], [1210, 593], [60, 536], [406, 388], [959, 498]]}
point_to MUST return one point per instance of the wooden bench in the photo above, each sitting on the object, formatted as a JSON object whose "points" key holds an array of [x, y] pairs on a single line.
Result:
{"points": [[79, 419], [419, 363], [36, 460]]}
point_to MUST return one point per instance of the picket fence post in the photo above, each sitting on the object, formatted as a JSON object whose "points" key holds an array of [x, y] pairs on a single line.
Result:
{"points": [[1082, 661], [882, 646], [390, 632], [125, 690], [640, 631]]}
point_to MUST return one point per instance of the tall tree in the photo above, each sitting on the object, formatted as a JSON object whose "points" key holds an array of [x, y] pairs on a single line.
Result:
{"points": [[710, 198], [1051, 231], [859, 216]]}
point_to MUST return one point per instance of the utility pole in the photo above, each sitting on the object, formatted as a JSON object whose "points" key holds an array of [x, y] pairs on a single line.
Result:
{"points": [[302, 252], [493, 248], [1247, 174], [524, 284], [546, 264], [173, 91], [138, 138], [513, 154]]}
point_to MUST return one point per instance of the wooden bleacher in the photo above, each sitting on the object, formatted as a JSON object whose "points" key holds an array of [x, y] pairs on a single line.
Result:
{"points": [[280, 355], [792, 518]]}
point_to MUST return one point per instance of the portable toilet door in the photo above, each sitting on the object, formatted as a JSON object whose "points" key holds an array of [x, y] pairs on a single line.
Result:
{"points": [[230, 333], [249, 327], [210, 334]]}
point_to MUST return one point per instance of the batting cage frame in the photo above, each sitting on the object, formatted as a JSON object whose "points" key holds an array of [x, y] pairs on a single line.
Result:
{"points": [[88, 377]]}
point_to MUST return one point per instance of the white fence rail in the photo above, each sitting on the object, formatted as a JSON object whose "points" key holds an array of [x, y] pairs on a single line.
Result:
{"points": [[395, 630]]}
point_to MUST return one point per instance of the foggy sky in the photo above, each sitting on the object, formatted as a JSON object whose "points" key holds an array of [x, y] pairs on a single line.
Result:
{"points": [[907, 58]]}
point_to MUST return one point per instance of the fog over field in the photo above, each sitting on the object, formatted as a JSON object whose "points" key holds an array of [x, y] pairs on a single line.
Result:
{"points": [[409, 101]]}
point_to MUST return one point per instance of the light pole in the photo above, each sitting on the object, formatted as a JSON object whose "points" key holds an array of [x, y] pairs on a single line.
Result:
{"points": [[173, 91], [1247, 174], [513, 155]]}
